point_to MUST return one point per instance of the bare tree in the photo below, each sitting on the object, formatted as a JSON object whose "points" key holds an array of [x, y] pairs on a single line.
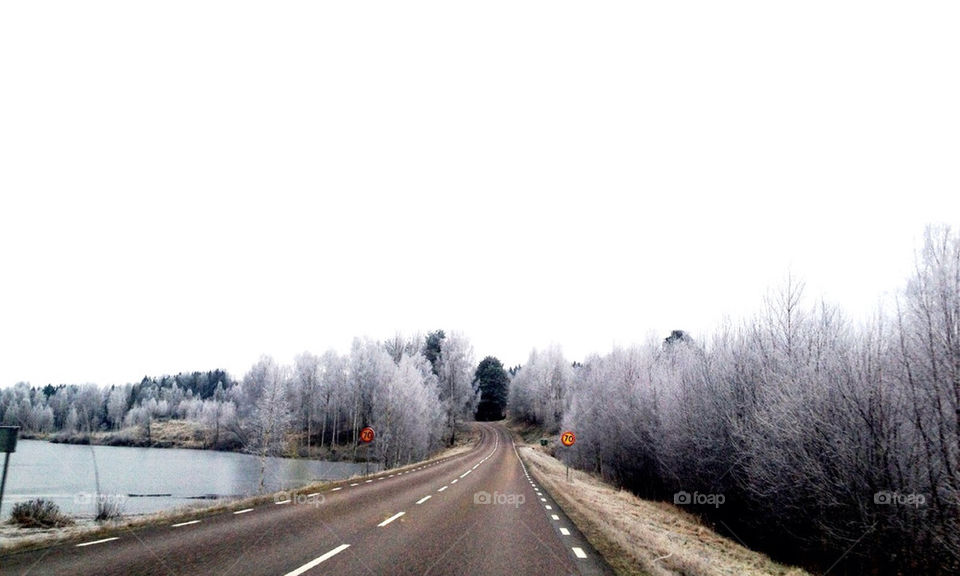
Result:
{"points": [[266, 381], [307, 382], [455, 373]]}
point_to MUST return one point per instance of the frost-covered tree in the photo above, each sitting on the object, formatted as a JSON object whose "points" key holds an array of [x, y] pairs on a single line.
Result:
{"points": [[455, 368], [538, 391], [306, 383], [89, 404], [405, 410], [369, 369], [270, 418], [399, 345], [333, 395], [117, 405]]}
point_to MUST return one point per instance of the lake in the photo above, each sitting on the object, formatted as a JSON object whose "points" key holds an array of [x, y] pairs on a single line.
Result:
{"points": [[146, 480]]}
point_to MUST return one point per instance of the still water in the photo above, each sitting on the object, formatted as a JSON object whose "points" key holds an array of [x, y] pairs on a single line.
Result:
{"points": [[145, 480]]}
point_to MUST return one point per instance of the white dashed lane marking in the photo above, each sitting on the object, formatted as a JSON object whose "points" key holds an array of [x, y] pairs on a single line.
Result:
{"points": [[97, 542], [185, 523], [564, 531], [317, 561], [422, 500], [390, 519], [579, 552], [244, 511]]}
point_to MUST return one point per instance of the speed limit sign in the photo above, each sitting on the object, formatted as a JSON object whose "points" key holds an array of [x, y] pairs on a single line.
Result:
{"points": [[568, 438], [366, 435]]}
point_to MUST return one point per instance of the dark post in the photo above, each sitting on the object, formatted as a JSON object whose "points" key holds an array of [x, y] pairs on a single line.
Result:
{"points": [[8, 444]]}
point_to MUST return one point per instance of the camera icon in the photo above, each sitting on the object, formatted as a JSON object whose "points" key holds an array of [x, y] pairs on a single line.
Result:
{"points": [[482, 497], [682, 498], [883, 498]]}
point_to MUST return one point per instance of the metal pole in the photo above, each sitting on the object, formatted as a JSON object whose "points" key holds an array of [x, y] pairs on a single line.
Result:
{"points": [[3, 483]]}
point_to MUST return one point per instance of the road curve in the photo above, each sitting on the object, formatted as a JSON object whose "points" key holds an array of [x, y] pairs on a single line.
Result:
{"points": [[477, 512]]}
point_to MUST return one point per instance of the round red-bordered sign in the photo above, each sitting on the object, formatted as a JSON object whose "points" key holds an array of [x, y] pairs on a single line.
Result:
{"points": [[367, 435], [568, 438]]}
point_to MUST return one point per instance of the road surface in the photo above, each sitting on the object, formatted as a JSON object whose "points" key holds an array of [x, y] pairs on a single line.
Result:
{"points": [[477, 512]]}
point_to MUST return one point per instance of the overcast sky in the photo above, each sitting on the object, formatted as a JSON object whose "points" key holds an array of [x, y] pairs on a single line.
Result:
{"points": [[187, 185]]}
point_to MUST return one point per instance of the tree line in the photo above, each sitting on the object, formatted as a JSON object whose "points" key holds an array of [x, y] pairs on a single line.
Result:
{"points": [[822, 441], [414, 391]]}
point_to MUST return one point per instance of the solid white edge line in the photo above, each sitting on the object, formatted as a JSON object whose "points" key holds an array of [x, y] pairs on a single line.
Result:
{"points": [[390, 519], [579, 552], [316, 561], [244, 511], [185, 523], [97, 542], [424, 499]]}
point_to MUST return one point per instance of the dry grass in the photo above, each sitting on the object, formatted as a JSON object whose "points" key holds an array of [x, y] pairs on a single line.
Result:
{"points": [[163, 434], [178, 433], [640, 537]]}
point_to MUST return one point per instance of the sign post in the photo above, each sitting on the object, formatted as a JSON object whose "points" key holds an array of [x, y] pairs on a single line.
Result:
{"points": [[366, 436], [567, 439], [8, 444]]}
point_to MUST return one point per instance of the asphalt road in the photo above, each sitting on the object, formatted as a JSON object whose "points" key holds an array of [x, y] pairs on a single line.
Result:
{"points": [[474, 513]]}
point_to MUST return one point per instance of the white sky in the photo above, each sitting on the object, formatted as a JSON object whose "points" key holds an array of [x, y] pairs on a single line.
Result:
{"points": [[186, 185]]}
